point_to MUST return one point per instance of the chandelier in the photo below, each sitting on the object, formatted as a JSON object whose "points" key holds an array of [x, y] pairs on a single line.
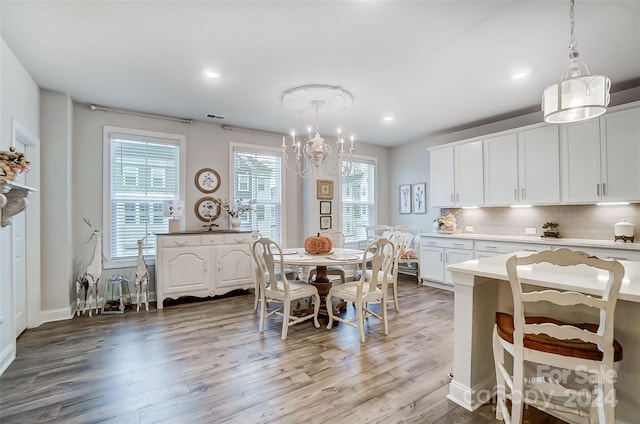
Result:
{"points": [[312, 157], [579, 95]]}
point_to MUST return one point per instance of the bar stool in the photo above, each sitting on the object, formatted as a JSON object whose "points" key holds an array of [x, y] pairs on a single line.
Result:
{"points": [[574, 362]]}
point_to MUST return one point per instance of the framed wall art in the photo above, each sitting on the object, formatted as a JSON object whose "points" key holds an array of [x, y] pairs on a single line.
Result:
{"points": [[207, 180], [405, 198], [419, 198], [207, 209], [325, 222], [325, 207], [325, 189]]}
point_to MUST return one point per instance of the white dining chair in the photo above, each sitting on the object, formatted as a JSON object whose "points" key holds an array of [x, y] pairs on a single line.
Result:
{"points": [[574, 362], [363, 292], [268, 255], [337, 238]]}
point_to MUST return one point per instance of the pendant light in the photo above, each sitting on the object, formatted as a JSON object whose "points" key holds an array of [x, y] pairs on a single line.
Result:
{"points": [[579, 95]]}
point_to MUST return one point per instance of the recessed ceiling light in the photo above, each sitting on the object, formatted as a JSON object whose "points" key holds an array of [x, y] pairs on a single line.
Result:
{"points": [[387, 118], [211, 73], [520, 75]]}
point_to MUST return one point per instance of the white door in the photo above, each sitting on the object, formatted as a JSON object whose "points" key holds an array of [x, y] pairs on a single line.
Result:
{"points": [[539, 166], [501, 170], [442, 184], [18, 227]]}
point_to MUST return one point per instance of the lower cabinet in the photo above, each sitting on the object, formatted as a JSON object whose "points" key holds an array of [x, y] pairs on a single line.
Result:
{"points": [[436, 253], [202, 265]]}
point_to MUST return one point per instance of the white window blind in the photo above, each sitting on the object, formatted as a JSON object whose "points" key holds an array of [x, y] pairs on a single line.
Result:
{"points": [[143, 172], [358, 199], [257, 174]]}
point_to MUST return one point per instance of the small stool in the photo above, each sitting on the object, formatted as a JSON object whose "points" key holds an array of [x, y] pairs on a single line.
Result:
{"points": [[117, 297]]}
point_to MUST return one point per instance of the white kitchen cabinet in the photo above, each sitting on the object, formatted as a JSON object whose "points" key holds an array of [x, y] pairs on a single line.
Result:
{"points": [[485, 249], [600, 157], [438, 252], [456, 175], [202, 265], [620, 149], [522, 167]]}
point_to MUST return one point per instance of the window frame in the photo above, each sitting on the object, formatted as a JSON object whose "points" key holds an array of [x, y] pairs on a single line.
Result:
{"points": [[158, 137], [256, 149], [359, 159]]}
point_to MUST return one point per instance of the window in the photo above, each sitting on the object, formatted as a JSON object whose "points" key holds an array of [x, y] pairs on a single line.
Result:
{"points": [[358, 198], [143, 171], [257, 174]]}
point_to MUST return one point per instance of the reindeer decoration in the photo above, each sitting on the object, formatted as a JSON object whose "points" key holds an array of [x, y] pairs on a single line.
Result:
{"points": [[142, 279], [87, 282]]}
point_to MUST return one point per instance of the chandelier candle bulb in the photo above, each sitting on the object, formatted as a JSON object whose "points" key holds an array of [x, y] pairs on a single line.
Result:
{"points": [[283, 143]]}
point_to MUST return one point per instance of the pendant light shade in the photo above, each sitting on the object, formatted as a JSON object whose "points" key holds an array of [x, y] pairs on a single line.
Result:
{"points": [[579, 95]]}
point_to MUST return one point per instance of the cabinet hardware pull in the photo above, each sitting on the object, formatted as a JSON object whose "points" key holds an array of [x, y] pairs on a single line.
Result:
{"points": [[597, 189], [219, 265], [604, 190], [441, 257], [458, 244], [530, 250], [524, 194], [457, 197], [617, 258], [491, 247], [515, 194], [181, 244], [452, 197], [446, 258]]}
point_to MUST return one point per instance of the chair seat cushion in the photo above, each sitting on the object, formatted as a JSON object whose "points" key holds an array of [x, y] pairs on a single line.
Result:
{"points": [[544, 343]]}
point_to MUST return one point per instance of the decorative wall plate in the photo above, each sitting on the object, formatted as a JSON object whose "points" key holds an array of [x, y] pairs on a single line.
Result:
{"points": [[207, 180], [207, 209]]}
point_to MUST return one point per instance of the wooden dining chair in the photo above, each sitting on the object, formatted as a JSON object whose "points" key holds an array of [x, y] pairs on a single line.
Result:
{"points": [[574, 362], [268, 255], [363, 292]]}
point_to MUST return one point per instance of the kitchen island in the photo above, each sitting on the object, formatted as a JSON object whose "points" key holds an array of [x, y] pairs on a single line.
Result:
{"points": [[482, 288]]}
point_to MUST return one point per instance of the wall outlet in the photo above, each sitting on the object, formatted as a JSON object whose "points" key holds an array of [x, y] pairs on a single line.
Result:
{"points": [[530, 230], [468, 229]]}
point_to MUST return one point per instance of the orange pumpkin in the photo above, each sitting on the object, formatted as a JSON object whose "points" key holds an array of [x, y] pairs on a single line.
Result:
{"points": [[318, 245]]}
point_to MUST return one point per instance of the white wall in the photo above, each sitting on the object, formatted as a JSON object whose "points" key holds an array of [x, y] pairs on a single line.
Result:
{"points": [[19, 103]]}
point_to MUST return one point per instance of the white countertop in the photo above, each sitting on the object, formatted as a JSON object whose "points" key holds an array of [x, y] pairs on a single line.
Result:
{"points": [[610, 244], [578, 279]]}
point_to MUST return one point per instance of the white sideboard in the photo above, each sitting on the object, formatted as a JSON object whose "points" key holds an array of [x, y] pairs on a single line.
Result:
{"points": [[202, 264]]}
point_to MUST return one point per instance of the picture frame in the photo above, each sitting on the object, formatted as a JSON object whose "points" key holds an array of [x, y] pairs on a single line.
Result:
{"points": [[405, 198], [325, 222], [207, 209], [325, 207], [419, 198], [207, 180], [325, 189]]}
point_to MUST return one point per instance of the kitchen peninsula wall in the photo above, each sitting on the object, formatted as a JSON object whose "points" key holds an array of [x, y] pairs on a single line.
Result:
{"points": [[576, 221]]}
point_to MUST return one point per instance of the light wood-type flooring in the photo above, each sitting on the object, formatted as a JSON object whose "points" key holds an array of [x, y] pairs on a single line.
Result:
{"points": [[206, 362]]}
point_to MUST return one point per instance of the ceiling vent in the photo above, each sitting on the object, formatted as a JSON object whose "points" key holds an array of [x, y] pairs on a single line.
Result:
{"points": [[213, 116]]}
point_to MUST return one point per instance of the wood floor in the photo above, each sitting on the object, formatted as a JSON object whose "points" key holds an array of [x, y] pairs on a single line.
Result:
{"points": [[206, 362]]}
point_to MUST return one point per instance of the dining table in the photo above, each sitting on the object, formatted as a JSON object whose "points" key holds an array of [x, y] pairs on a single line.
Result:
{"points": [[337, 256]]}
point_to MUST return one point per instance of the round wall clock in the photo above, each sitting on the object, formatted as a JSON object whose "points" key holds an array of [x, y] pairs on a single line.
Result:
{"points": [[207, 180], [207, 209]]}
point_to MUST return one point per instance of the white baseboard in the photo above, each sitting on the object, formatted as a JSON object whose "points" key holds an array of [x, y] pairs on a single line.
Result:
{"points": [[7, 356], [60, 314]]}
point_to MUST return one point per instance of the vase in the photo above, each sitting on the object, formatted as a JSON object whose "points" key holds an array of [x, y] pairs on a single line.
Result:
{"points": [[235, 223]]}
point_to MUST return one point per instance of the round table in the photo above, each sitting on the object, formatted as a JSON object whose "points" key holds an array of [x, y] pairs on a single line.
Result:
{"points": [[338, 256]]}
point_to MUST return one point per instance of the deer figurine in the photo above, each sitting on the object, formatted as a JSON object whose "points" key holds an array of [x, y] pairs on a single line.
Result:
{"points": [[88, 281], [142, 279]]}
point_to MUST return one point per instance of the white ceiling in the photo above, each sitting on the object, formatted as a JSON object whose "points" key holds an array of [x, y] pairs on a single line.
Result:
{"points": [[434, 65]]}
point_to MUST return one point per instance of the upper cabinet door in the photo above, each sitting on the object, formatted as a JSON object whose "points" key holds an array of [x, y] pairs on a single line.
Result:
{"points": [[501, 170], [580, 162], [539, 166], [442, 177], [469, 188], [620, 142]]}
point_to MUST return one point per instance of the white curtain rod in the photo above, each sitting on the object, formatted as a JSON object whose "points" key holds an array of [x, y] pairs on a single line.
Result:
{"points": [[146, 115]]}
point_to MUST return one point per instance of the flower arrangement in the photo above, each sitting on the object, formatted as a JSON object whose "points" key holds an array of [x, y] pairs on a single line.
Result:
{"points": [[238, 208], [13, 162]]}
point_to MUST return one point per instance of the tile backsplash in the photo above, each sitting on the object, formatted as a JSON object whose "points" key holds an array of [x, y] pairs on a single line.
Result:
{"points": [[583, 221]]}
